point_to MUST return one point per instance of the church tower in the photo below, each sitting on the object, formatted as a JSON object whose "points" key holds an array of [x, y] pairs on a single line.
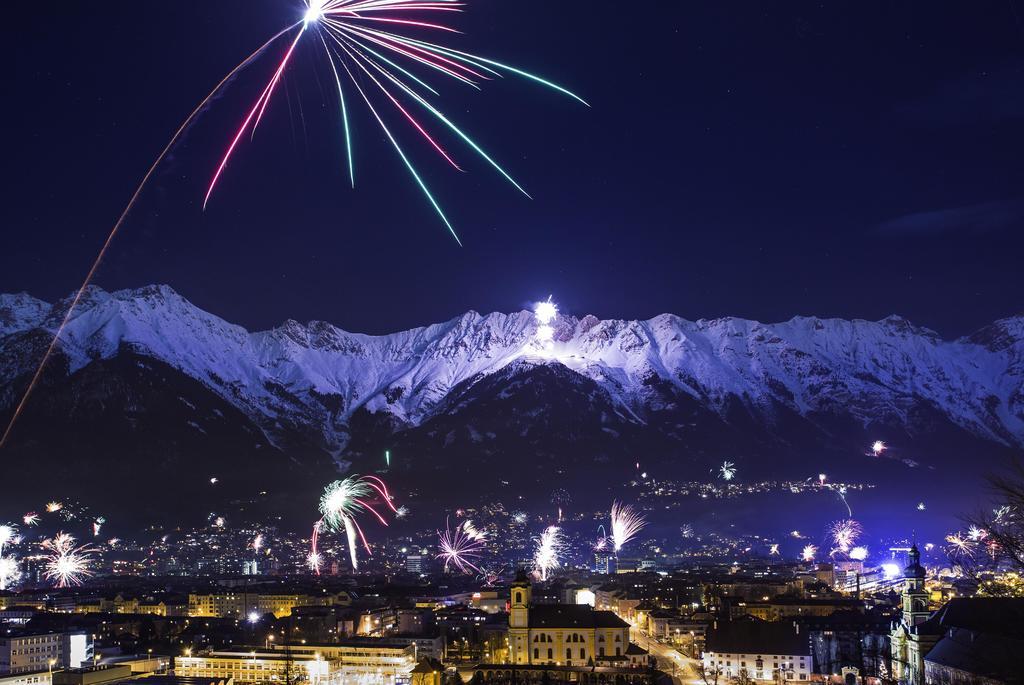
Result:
{"points": [[519, 607], [519, 619], [915, 597]]}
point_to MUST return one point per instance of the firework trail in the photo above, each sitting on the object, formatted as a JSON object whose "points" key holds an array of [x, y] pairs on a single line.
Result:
{"points": [[9, 571], [626, 523], [341, 501], [727, 470], [91, 274], [602, 539], [362, 40], [67, 564], [459, 548], [844, 535], [550, 545]]}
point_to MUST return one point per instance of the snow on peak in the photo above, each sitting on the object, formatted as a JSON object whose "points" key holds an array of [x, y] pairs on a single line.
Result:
{"points": [[319, 374]]}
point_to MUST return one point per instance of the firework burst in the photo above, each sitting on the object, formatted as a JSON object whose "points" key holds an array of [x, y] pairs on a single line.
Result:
{"points": [[364, 43], [30, 519], [960, 546], [727, 470], [845, 534], [859, 553], [878, 448], [9, 571], [341, 502], [54, 507], [67, 564], [459, 548], [550, 545], [808, 553], [626, 523]]}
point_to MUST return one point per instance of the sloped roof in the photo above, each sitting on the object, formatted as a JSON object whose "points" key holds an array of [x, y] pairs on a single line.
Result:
{"points": [[997, 615], [573, 616], [980, 654], [750, 636]]}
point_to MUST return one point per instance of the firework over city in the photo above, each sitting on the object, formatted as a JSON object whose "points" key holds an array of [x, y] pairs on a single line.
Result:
{"points": [[433, 324]]}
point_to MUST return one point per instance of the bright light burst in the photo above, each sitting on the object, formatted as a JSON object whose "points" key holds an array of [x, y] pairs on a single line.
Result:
{"points": [[891, 571], [341, 502], [54, 507], [546, 311], [808, 553], [257, 542], [773, 550], [547, 556], [626, 523], [30, 519], [67, 564], [459, 549], [844, 534], [472, 532], [878, 448], [960, 546], [9, 571], [976, 534], [859, 553], [727, 470]]}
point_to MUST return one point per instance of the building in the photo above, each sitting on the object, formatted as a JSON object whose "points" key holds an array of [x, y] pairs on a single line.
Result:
{"points": [[23, 652], [92, 675], [913, 635], [390, 659], [233, 604], [250, 667], [416, 563], [982, 641], [562, 634], [748, 648], [42, 677]]}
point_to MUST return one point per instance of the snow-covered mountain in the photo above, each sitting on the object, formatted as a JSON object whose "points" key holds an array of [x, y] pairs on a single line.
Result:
{"points": [[317, 376]]}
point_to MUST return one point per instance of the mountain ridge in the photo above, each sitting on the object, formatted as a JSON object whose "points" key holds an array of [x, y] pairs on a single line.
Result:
{"points": [[318, 375]]}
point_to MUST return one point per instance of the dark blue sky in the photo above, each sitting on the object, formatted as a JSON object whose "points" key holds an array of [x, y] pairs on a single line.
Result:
{"points": [[841, 159]]}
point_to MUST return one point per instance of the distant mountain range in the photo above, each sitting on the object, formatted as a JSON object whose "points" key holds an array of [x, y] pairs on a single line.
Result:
{"points": [[147, 385]]}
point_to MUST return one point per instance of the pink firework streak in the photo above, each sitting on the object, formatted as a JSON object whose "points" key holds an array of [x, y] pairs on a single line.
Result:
{"points": [[339, 504], [359, 36], [360, 39], [458, 548]]}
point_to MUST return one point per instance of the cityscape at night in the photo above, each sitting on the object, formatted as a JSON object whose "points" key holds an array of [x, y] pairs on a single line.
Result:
{"points": [[444, 342]]}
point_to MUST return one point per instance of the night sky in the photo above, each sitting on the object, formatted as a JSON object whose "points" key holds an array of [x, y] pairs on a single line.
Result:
{"points": [[837, 159]]}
